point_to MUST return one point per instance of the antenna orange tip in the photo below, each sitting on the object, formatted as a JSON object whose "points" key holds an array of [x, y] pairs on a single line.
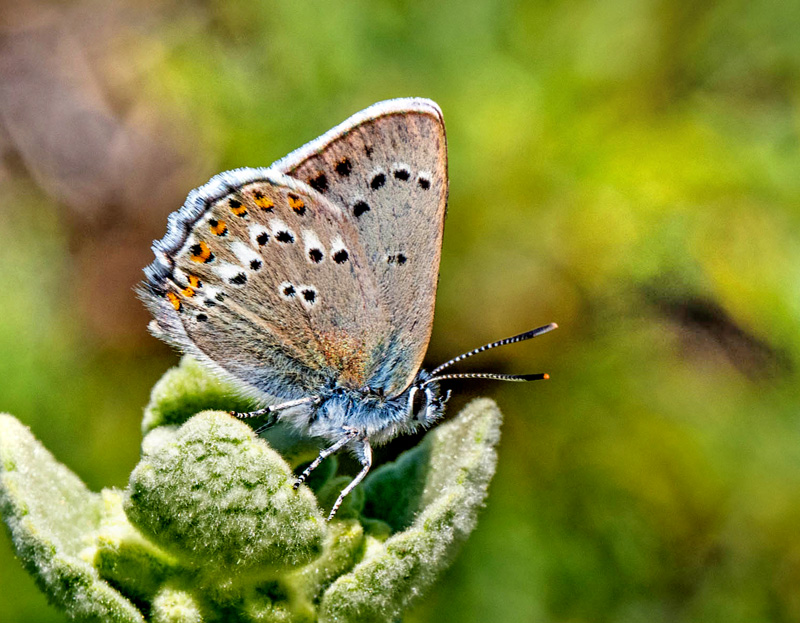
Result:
{"points": [[546, 376]]}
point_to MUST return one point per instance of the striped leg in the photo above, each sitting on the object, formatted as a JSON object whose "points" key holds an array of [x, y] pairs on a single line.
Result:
{"points": [[272, 411], [365, 456], [324, 454]]}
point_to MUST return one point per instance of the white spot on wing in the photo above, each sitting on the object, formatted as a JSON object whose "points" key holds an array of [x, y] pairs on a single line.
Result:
{"points": [[308, 295], [210, 294], [401, 167], [277, 225], [424, 179], [191, 240], [255, 231], [180, 275], [311, 241], [337, 245], [244, 253], [287, 286], [228, 272]]}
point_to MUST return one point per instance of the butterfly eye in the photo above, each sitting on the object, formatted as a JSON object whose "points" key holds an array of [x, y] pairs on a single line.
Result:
{"points": [[417, 402]]}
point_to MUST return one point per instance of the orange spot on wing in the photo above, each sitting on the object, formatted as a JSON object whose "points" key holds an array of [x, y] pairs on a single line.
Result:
{"points": [[200, 253], [194, 281], [265, 203], [218, 228], [188, 292], [173, 298], [236, 207], [296, 203]]}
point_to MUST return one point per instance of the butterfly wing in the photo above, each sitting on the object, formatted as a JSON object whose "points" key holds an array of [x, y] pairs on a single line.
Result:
{"points": [[386, 167], [264, 280]]}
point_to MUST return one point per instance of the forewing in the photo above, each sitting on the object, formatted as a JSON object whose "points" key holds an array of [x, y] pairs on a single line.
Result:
{"points": [[264, 278], [386, 167]]}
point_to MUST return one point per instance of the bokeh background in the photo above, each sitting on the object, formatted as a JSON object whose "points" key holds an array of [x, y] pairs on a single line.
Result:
{"points": [[627, 168]]}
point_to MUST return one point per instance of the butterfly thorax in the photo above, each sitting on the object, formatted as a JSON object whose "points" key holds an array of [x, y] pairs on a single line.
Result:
{"points": [[374, 415]]}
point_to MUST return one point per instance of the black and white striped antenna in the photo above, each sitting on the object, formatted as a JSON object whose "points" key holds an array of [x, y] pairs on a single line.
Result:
{"points": [[528, 335]]}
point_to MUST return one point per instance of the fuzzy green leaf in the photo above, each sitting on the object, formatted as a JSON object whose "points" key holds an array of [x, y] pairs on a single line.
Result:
{"points": [[216, 495], [460, 460], [52, 518], [210, 527], [344, 547], [124, 557], [173, 605], [188, 389]]}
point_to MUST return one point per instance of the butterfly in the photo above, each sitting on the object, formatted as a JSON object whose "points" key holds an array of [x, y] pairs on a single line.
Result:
{"points": [[310, 284]]}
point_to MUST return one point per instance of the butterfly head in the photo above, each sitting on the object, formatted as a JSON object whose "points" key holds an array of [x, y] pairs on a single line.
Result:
{"points": [[424, 401]]}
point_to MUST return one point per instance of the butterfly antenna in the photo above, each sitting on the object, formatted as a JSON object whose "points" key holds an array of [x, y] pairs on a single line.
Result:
{"points": [[519, 378], [528, 335]]}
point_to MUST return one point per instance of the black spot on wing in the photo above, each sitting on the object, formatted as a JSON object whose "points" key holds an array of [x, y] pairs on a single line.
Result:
{"points": [[359, 208], [319, 183], [343, 167], [396, 259], [378, 181]]}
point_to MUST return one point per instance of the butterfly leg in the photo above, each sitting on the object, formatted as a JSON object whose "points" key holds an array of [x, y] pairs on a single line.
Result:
{"points": [[324, 454], [364, 451], [272, 411]]}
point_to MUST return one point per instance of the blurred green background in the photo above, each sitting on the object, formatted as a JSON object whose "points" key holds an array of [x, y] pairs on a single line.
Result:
{"points": [[628, 168]]}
